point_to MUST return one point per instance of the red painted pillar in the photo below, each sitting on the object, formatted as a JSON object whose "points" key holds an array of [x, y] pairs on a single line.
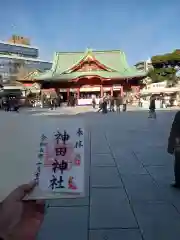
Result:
{"points": [[121, 91], [68, 93], [78, 92], [111, 90], [101, 90], [138, 89]]}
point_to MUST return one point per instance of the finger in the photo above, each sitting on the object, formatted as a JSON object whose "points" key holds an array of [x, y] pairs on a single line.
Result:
{"points": [[40, 201], [27, 188], [33, 207], [20, 192], [40, 208]]}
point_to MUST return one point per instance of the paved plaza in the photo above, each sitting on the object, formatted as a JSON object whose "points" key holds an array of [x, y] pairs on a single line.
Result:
{"points": [[128, 176]]}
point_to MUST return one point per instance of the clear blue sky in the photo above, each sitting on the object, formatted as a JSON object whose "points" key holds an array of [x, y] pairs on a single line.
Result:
{"points": [[140, 28]]}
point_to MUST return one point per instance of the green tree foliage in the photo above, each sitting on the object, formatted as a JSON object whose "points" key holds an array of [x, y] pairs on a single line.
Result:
{"points": [[165, 67], [163, 74], [166, 60]]}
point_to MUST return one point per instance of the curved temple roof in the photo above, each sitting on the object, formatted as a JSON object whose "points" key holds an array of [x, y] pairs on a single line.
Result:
{"points": [[114, 61]]}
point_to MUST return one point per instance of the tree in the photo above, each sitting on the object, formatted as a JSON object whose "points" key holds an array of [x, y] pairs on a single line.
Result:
{"points": [[14, 67], [22, 72], [155, 76], [165, 67], [166, 60], [164, 74]]}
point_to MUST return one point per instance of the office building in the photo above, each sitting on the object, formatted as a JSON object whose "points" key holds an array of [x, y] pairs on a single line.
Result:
{"points": [[17, 53], [144, 65]]}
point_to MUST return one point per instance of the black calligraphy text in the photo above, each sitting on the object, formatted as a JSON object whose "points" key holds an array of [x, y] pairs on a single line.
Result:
{"points": [[62, 166], [64, 137], [60, 151], [79, 132], [79, 144], [56, 183]]}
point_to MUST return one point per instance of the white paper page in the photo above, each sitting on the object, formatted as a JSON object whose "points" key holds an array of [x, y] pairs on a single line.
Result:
{"points": [[20, 146]]}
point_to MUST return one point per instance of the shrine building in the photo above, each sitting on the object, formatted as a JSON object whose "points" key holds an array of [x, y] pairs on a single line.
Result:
{"points": [[89, 73]]}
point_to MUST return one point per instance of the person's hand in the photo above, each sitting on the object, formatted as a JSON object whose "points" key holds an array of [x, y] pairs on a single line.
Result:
{"points": [[21, 220]]}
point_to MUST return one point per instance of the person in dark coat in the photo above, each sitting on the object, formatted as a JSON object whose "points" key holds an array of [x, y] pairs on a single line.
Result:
{"points": [[104, 105], [152, 107], [16, 105], [100, 105], [51, 103], [118, 104], [112, 101], [8, 104], [94, 102], [174, 148]]}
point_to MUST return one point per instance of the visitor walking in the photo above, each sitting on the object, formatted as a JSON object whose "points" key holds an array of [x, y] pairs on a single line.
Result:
{"points": [[100, 104], [152, 107], [174, 148], [94, 102], [140, 102], [111, 101], [118, 104], [16, 104], [124, 102], [51, 103], [55, 103], [104, 105], [1, 103], [7, 104]]}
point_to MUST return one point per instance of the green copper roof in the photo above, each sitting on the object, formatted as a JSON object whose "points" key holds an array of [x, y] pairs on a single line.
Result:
{"points": [[114, 60]]}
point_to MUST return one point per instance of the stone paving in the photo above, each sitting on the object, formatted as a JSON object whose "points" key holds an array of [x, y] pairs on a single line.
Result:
{"points": [[128, 177], [67, 111], [58, 111]]}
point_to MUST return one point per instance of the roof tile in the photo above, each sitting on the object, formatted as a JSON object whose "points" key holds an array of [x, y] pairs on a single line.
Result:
{"points": [[114, 59]]}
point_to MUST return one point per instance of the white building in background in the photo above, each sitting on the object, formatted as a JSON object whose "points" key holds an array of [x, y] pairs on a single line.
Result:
{"points": [[158, 88], [144, 65]]}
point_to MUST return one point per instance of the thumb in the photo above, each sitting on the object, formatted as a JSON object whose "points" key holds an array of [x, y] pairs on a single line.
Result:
{"points": [[20, 192]]}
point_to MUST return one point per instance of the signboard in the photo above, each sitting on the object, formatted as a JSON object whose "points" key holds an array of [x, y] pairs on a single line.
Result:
{"points": [[73, 90], [116, 87], [19, 40], [90, 89], [63, 90], [106, 89]]}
